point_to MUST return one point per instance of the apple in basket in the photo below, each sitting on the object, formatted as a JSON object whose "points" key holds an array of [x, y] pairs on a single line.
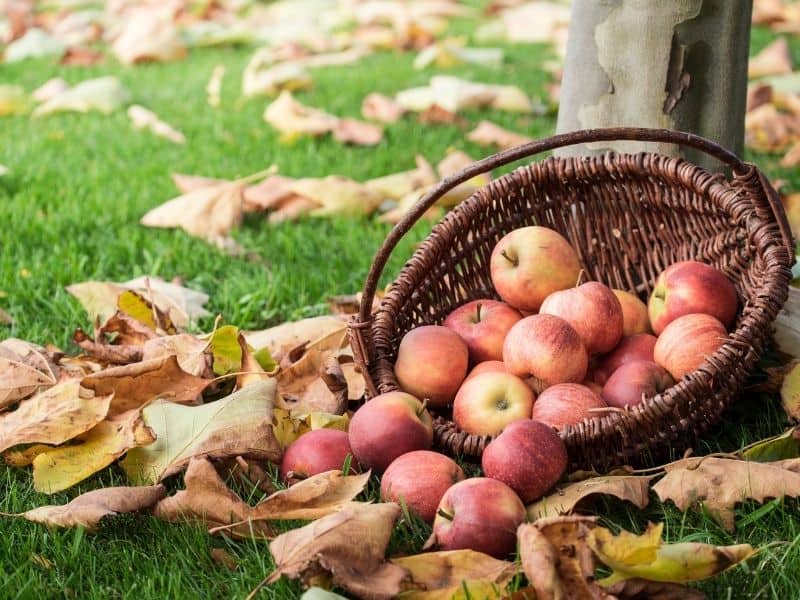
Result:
{"points": [[687, 341], [530, 263], [634, 313], [387, 426], [488, 366], [483, 325], [690, 287], [419, 479], [315, 452], [480, 514], [635, 347], [566, 404], [635, 381], [489, 401]]}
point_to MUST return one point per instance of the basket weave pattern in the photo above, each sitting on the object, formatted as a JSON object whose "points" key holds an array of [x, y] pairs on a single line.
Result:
{"points": [[628, 217]]}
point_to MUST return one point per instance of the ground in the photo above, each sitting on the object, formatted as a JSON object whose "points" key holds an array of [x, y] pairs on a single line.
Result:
{"points": [[70, 212]]}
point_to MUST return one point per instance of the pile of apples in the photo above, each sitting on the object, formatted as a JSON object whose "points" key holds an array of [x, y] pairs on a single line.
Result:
{"points": [[550, 354]]}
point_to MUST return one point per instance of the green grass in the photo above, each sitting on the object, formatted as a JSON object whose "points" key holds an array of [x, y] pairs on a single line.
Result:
{"points": [[70, 209]]}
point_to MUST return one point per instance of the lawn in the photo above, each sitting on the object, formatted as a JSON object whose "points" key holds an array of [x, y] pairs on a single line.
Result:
{"points": [[70, 211]]}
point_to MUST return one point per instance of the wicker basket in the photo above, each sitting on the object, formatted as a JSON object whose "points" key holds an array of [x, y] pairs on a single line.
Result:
{"points": [[628, 216]]}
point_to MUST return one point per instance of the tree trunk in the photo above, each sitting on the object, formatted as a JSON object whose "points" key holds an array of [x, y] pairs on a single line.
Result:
{"points": [[672, 64]]}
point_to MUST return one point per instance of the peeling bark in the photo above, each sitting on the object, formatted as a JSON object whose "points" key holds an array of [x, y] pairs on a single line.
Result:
{"points": [[676, 64]]}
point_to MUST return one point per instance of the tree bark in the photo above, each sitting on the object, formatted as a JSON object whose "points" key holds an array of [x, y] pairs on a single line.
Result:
{"points": [[672, 64]]}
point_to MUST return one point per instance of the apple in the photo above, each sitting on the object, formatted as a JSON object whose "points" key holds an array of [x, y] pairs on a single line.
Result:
{"points": [[432, 362], [634, 313], [566, 404], [691, 287], [545, 350], [592, 385], [489, 401], [593, 311], [687, 341], [420, 479], [479, 514], [387, 426], [530, 263], [315, 452], [636, 347], [483, 325], [635, 381], [528, 456], [488, 366]]}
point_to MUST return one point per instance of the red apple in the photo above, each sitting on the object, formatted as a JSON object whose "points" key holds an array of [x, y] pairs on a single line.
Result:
{"points": [[483, 325], [634, 313], [420, 479], [636, 347], [431, 363], [593, 311], [635, 381], [489, 401], [530, 263], [489, 366], [566, 404], [386, 427], [528, 456], [592, 385], [691, 287], [479, 514], [315, 452], [545, 350], [687, 341]]}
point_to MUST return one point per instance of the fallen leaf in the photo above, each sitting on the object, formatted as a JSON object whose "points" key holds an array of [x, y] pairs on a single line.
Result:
{"points": [[225, 350], [437, 115], [774, 59], [779, 447], [288, 425], [143, 118], [13, 100], [792, 157], [312, 498], [449, 574], [565, 499], [642, 589], [337, 195], [349, 545], [377, 107], [5, 318], [267, 194], [183, 305], [769, 130], [149, 35], [451, 52], [107, 353], [790, 391], [87, 510], [24, 370], [251, 370], [189, 183], [237, 425], [224, 558], [490, 134], [24, 457], [281, 338], [720, 483], [105, 95], [135, 305], [60, 468], [53, 416], [644, 556], [292, 208], [36, 43], [192, 353], [123, 330], [531, 22], [454, 94], [758, 94], [290, 117], [214, 86], [353, 131], [273, 79], [82, 56]]}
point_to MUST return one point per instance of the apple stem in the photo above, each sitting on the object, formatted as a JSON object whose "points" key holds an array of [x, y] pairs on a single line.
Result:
{"points": [[423, 407], [581, 275], [444, 514], [478, 315], [508, 258]]}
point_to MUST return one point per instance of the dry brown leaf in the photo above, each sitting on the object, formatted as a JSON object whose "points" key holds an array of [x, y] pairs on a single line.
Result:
{"points": [[249, 472], [149, 34], [758, 94], [143, 118], [290, 117], [769, 130], [225, 559], [24, 457], [377, 107], [775, 59], [123, 330], [81, 56], [397, 186], [53, 416], [642, 589], [312, 498], [292, 207], [353, 131], [137, 384], [349, 545], [441, 575], [189, 183], [436, 115], [790, 387], [87, 510], [565, 499], [208, 501], [24, 370], [251, 370], [191, 352], [721, 483], [792, 157], [491, 134], [107, 353], [337, 195], [454, 94], [267, 194], [282, 338], [269, 81]]}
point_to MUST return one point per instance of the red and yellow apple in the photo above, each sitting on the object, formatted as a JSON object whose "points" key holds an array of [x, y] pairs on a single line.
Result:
{"points": [[634, 313], [545, 350], [387, 426], [489, 401], [431, 363], [687, 341], [419, 479], [691, 287], [479, 514], [593, 311], [635, 381], [488, 366], [483, 325], [636, 347], [530, 263], [528, 456], [566, 404], [315, 452]]}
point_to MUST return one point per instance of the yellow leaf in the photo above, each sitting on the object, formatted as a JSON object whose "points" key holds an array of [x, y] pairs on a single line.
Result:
{"points": [[141, 309], [290, 117], [225, 348], [790, 391], [24, 457], [287, 426]]}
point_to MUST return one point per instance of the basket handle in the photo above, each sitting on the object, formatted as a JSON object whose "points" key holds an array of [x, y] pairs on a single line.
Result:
{"points": [[641, 134]]}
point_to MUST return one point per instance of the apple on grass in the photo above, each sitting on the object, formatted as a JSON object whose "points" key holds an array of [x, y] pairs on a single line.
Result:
{"points": [[566, 404], [691, 287], [530, 263], [315, 452], [593, 311], [528, 456], [686, 342], [479, 514], [431, 363], [419, 479], [489, 401], [387, 426], [483, 325], [634, 381], [639, 346], [634, 313], [545, 350]]}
